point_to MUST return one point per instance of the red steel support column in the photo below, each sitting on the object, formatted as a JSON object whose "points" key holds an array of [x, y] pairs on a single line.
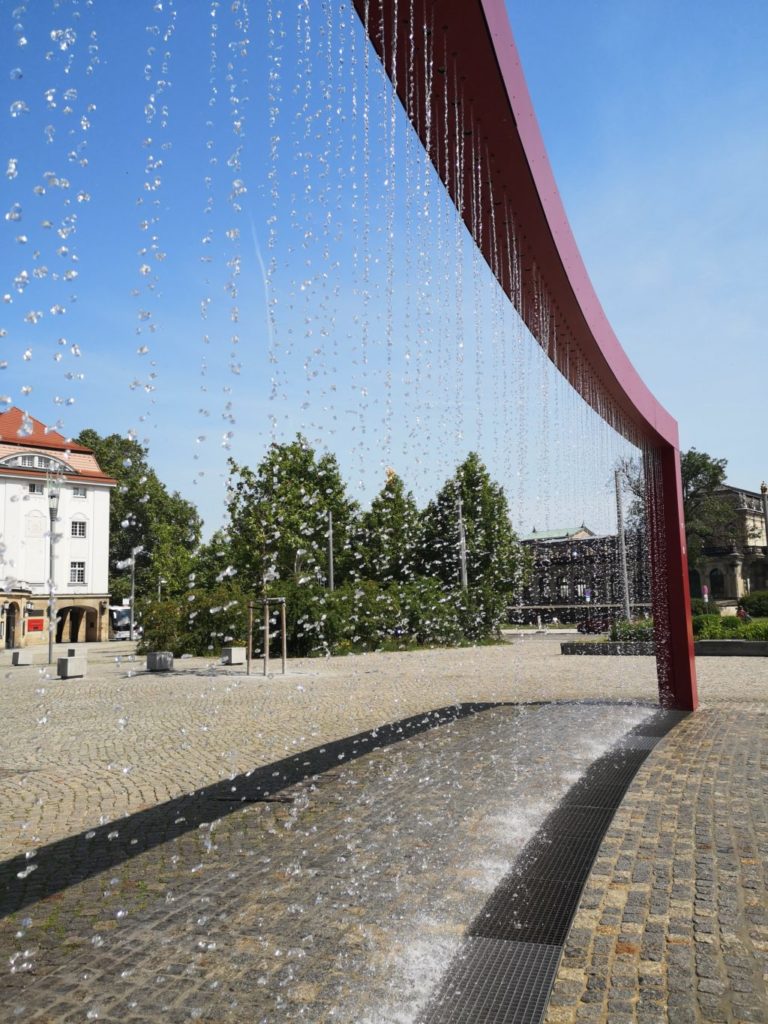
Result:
{"points": [[670, 586]]}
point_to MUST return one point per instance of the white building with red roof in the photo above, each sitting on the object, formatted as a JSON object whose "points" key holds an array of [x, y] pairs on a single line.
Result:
{"points": [[41, 473]]}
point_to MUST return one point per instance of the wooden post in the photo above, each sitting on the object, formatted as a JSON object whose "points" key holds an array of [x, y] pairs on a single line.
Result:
{"points": [[284, 639], [249, 648], [266, 636]]}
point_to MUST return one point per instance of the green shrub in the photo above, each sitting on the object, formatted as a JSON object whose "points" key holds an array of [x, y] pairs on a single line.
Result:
{"points": [[623, 631], [756, 604], [701, 607], [756, 630], [163, 626], [730, 624], [430, 613], [706, 627], [710, 627], [201, 623], [361, 615], [481, 611]]}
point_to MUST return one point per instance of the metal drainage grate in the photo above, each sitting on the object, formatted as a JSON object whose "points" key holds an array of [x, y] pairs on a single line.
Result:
{"points": [[529, 910], [659, 723], [492, 982], [639, 742], [506, 968]]}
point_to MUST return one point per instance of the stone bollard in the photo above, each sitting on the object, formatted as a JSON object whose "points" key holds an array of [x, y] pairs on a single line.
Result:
{"points": [[23, 657], [233, 655], [71, 668], [160, 661]]}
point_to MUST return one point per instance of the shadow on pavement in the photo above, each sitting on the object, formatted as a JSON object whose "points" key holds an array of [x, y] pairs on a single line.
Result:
{"points": [[35, 875]]}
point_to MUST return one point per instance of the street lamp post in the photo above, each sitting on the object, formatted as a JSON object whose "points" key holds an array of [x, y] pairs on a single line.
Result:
{"points": [[462, 546], [160, 583], [53, 511], [134, 551], [622, 549]]}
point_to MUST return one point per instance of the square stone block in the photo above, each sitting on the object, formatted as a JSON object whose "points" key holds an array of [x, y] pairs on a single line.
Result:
{"points": [[233, 655], [23, 657], [71, 668], [160, 661]]}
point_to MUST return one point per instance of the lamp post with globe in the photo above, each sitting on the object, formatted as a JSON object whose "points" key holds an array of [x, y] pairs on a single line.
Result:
{"points": [[53, 512]]}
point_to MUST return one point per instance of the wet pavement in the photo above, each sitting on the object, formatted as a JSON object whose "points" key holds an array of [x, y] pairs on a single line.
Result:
{"points": [[345, 897], [341, 898]]}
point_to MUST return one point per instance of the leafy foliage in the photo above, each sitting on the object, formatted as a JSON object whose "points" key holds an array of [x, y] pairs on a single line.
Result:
{"points": [[202, 626], [143, 513], [397, 581], [387, 542], [279, 516], [494, 555], [623, 631], [756, 603], [728, 627], [709, 514], [701, 607]]}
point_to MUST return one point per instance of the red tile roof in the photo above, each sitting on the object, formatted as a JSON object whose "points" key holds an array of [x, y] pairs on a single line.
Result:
{"points": [[14, 431], [41, 437]]}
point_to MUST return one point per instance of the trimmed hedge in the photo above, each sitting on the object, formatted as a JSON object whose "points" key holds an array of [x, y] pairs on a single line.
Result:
{"points": [[729, 627], [629, 632], [756, 604], [358, 616], [701, 607]]}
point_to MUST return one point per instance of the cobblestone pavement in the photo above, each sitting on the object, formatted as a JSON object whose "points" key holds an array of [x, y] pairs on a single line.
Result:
{"points": [[342, 899], [673, 923], [672, 926], [78, 753], [81, 752]]}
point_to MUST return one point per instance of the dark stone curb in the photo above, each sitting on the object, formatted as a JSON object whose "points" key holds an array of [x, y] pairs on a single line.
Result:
{"points": [[733, 648], [720, 648], [597, 647]]}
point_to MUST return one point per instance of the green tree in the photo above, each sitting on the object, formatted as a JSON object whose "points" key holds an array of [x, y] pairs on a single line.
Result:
{"points": [[709, 513], [143, 513], [494, 555], [387, 541], [279, 516], [213, 562]]}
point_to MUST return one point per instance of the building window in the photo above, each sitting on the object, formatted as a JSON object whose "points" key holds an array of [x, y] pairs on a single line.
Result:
{"points": [[78, 528], [78, 492], [77, 572], [43, 462], [35, 488], [27, 460]]}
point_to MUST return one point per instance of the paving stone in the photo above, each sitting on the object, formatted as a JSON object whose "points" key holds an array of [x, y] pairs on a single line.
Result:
{"points": [[279, 884], [696, 818]]}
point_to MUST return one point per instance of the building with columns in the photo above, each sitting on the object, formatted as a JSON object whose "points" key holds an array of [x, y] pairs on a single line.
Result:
{"points": [[576, 574], [731, 570], [47, 480]]}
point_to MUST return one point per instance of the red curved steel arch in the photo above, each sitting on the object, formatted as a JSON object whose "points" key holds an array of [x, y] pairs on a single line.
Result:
{"points": [[454, 63]]}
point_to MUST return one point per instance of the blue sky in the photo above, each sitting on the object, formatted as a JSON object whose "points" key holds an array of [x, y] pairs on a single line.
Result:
{"points": [[655, 117], [375, 348]]}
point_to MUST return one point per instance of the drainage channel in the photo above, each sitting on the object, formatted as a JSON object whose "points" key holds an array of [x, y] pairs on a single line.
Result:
{"points": [[505, 969]]}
